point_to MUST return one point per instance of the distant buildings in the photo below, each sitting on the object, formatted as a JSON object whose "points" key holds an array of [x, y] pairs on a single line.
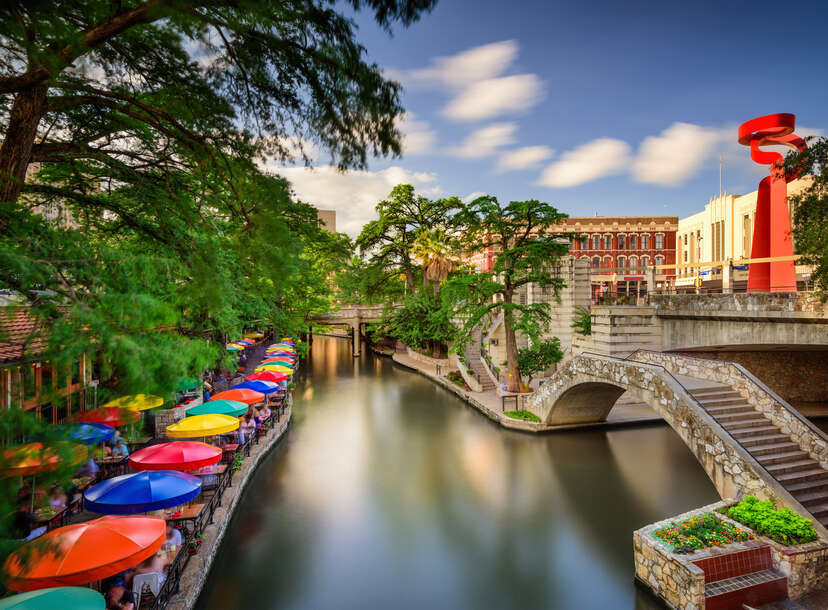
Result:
{"points": [[328, 218]]}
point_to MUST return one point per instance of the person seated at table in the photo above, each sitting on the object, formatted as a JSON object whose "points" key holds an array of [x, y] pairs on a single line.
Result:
{"points": [[120, 449], [57, 499], [265, 413], [89, 469], [247, 427], [118, 596], [174, 537]]}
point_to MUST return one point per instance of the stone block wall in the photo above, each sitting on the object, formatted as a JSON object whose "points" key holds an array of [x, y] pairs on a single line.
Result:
{"points": [[805, 565], [764, 303], [415, 355], [619, 331]]}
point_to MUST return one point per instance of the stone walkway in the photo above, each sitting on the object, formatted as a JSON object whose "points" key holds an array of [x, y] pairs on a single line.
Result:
{"points": [[490, 404]]}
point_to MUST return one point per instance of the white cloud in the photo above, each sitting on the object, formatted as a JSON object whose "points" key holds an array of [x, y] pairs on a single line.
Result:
{"points": [[353, 194], [475, 79], [675, 155], [472, 196], [523, 158], [486, 141], [467, 67], [601, 157], [417, 137], [495, 96]]}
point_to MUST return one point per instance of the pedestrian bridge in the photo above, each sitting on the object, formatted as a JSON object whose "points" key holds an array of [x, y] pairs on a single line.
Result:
{"points": [[354, 316], [748, 440]]}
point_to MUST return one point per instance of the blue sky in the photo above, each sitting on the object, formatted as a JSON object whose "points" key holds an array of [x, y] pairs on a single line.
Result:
{"points": [[607, 107]]}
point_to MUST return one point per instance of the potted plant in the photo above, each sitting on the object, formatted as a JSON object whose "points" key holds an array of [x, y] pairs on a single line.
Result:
{"points": [[195, 544]]}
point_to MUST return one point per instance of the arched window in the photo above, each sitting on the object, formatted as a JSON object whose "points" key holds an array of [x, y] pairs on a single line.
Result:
{"points": [[633, 242], [622, 261], [596, 262], [584, 243], [659, 260], [645, 242], [596, 242], [607, 242], [622, 239], [608, 262], [645, 261], [633, 262]]}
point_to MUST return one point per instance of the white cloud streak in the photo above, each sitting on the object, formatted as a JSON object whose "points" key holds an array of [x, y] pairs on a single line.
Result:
{"points": [[523, 158], [676, 154], [486, 141], [593, 160]]}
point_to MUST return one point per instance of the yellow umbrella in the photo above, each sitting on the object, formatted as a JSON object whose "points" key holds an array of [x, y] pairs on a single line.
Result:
{"points": [[253, 335], [202, 425], [275, 367], [136, 402]]}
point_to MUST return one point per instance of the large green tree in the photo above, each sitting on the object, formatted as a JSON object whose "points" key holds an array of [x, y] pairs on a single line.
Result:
{"points": [[527, 247]]}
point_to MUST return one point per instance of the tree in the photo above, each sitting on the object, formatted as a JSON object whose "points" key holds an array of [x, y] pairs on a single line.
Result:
{"points": [[132, 84], [436, 249], [526, 249], [810, 218], [539, 357], [582, 323], [422, 323], [389, 241]]}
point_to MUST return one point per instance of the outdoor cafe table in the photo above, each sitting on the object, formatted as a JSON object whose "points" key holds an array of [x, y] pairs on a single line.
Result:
{"points": [[210, 475], [187, 513], [112, 466]]}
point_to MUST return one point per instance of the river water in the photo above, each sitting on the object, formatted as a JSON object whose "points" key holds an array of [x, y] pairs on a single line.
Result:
{"points": [[390, 492]]}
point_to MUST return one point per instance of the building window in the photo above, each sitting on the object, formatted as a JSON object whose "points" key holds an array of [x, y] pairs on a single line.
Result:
{"points": [[607, 262], [596, 262], [622, 261], [645, 261], [746, 236], [632, 242], [596, 245], [584, 243], [633, 262], [659, 260], [607, 242], [645, 242], [659, 242], [621, 240]]}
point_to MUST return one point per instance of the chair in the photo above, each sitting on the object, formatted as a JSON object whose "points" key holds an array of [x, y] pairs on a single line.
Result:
{"points": [[150, 582]]}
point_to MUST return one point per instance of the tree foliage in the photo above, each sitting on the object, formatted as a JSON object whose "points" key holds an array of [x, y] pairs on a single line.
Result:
{"points": [[538, 357]]}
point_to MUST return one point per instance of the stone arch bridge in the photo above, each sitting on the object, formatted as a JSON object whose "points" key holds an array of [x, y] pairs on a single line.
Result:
{"points": [[355, 316], [748, 440]]}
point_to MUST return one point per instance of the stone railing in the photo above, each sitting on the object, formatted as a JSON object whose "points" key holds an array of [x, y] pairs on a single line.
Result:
{"points": [[809, 438], [468, 376], [764, 304], [443, 363]]}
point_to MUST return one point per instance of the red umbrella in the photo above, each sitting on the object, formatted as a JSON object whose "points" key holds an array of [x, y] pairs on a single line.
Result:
{"points": [[84, 552], [111, 416], [267, 376], [244, 395], [178, 455]]}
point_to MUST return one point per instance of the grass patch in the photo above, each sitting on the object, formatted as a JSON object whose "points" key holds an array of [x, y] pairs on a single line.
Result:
{"points": [[698, 532], [523, 415], [782, 525]]}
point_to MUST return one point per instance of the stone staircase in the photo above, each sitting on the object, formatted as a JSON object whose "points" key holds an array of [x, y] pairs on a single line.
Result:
{"points": [[793, 468], [746, 576], [473, 357]]}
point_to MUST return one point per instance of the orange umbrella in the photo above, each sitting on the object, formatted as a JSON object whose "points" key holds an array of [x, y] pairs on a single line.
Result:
{"points": [[244, 395], [84, 552], [32, 458]]}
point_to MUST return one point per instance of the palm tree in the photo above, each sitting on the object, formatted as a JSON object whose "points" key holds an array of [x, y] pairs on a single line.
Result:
{"points": [[436, 250]]}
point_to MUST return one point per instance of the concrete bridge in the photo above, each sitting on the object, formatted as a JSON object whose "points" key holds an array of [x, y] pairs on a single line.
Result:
{"points": [[354, 316], [748, 439]]}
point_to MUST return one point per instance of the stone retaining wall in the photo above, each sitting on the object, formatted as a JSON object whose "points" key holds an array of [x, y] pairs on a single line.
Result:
{"points": [[443, 362], [806, 566], [198, 567]]}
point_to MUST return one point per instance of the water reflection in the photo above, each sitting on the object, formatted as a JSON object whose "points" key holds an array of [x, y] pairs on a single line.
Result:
{"points": [[390, 492]]}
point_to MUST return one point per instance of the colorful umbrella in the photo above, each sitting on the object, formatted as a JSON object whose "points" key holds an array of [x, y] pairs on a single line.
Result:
{"points": [[284, 346], [279, 360], [256, 335], [263, 387], [76, 598], [141, 492], [202, 425], [111, 416], [243, 395], [84, 552], [87, 433], [31, 458], [178, 455], [273, 376], [246, 342], [136, 402], [233, 408], [274, 367], [231, 348]]}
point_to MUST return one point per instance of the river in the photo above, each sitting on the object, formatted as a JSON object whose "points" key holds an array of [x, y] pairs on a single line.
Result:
{"points": [[390, 492]]}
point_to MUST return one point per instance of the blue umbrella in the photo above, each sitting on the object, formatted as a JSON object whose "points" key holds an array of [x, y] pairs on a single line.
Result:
{"points": [[88, 433], [141, 492], [264, 387]]}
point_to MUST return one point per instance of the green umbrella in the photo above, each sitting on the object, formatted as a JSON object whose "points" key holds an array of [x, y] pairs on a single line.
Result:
{"points": [[77, 598], [187, 384], [233, 408]]}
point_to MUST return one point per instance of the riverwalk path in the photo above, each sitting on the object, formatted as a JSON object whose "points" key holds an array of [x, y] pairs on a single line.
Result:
{"points": [[489, 403]]}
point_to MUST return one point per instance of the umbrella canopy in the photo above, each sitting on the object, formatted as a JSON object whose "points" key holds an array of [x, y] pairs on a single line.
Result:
{"points": [[246, 342], [244, 395], [231, 348], [263, 387], [279, 360], [280, 352], [84, 552], [284, 346], [141, 492], [88, 433], [111, 416], [253, 335], [275, 367], [76, 598], [178, 455], [31, 458], [273, 376], [202, 425], [136, 402], [233, 408]]}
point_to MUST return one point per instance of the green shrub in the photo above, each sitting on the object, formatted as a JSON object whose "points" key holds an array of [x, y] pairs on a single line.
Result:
{"points": [[782, 525], [524, 415]]}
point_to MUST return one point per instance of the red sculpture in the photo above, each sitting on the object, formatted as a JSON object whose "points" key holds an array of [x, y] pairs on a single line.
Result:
{"points": [[772, 228]]}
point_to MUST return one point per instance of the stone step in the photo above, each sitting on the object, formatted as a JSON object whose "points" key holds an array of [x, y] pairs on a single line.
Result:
{"points": [[733, 418], [741, 409], [751, 432], [755, 588], [774, 448], [763, 439], [819, 511], [745, 424], [814, 475], [807, 497], [776, 458], [726, 402], [793, 466], [814, 485], [712, 390]]}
